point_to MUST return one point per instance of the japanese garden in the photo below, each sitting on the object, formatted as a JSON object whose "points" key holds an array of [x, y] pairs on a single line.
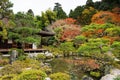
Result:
{"points": [[81, 45]]}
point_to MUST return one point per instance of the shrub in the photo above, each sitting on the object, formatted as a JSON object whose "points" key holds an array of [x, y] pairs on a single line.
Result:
{"points": [[31, 75], [60, 76], [8, 77], [4, 62], [10, 69], [28, 63], [18, 66], [95, 74], [41, 56]]}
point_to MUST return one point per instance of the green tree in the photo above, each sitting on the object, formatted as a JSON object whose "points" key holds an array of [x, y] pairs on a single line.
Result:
{"points": [[116, 49], [30, 12], [59, 11], [89, 3], [25, 35], [25, 30], [5, 9], [23, 19], [66, 48], [79, 40], [6, 16], [97, 46], [46, 18], [87, 15], [76, 12]]}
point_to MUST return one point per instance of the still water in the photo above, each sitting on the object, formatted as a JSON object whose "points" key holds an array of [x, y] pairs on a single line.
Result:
{"points": [[68, 65]]}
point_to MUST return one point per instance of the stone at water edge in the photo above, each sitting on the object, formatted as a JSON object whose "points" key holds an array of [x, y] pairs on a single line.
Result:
{"points": [[113, 74], [86, 78], [108, 77], [47, 78]]}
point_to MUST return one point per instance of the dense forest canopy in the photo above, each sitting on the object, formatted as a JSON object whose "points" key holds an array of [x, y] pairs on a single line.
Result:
{"points": [[23, 27]]}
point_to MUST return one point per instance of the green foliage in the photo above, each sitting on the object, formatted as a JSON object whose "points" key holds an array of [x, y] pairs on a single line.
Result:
{"points": [[10, 69], [24, 19], [86, 16], [116, 49], [41, 56], [5, 9], [98, 45], [20, 52], [5, 28], [45, 19], [117, 78], [67, 47], [79, 40], [106, 4], [31, 75], [59, 11], [89, 3], [28, 63], [18, 66], [25, 35], [95, 74], [30, 12], [76, 12], [55, 50], [8, 77], [4, 62], [60, 76], [4, 34], [115, 31]]}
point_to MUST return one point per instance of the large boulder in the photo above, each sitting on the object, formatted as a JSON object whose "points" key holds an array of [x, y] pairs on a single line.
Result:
{"points": [[113, 74]]}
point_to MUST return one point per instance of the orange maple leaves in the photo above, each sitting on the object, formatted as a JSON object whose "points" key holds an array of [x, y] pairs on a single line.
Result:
{"points": [[69, 28], [106, 17]]}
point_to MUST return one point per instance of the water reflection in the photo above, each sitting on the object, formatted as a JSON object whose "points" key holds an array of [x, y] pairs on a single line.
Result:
{"points": [[60, 65]]}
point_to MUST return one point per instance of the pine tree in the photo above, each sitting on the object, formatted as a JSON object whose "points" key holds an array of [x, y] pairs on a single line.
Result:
{"points": [[60, 13]]}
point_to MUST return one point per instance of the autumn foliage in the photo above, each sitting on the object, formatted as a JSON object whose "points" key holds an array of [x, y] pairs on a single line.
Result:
{"points": [[106, 17], [70, 21], [68, 29]]}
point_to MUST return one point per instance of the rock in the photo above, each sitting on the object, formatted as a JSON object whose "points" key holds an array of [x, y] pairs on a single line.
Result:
{"points": [[47, 78], [87, 78], [48, 55], [1, 68], [108, 77], [113, 74], [116, 59]]}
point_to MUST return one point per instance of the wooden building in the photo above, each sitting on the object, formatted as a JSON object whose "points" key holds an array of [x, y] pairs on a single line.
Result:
{"points": [[6, 45]]}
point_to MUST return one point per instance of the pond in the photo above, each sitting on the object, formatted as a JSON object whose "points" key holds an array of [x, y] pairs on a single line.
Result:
{"points": [[77, 68]]}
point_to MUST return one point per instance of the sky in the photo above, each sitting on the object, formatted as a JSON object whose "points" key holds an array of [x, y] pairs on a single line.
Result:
{"points": [[38, 6]]}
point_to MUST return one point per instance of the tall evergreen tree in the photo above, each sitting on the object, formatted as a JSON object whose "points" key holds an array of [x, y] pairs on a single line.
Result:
{"points": [[5, 10], [6, 16], [76, 12], [60, 13], [30, 12], [89, 3]]}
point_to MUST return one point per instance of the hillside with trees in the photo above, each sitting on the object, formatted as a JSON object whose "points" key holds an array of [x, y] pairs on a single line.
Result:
{"points": [[89, 34]]}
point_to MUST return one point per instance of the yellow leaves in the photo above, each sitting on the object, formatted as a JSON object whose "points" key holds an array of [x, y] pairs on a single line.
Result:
{"points": [[1, 23], [86, 11], [91, 9], [4, 34]]}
